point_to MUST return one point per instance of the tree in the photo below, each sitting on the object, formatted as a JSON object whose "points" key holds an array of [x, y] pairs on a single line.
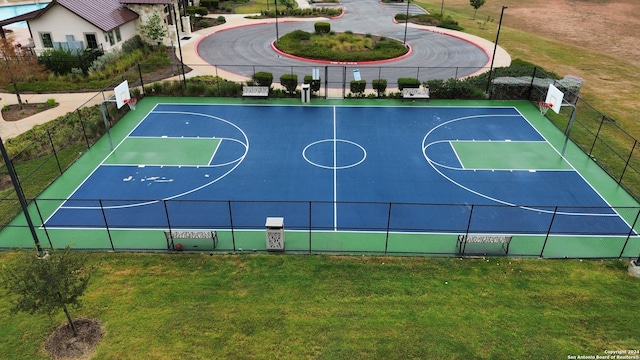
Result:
{"points": [[16, 66], [47, 284], [154, 29], [476, 5]]}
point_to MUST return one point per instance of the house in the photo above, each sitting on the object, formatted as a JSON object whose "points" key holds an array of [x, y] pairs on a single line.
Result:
{"points": [[104, 24]]}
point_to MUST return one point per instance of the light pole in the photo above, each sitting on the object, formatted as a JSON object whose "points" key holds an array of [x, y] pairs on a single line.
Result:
{"points": [[277, 36], [21, 199], [441, 9], [406, 22], [495, 48], [175, 17]]}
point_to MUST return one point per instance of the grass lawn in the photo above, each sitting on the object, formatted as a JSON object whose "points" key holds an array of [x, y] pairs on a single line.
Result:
{"points": [[324, 307]]}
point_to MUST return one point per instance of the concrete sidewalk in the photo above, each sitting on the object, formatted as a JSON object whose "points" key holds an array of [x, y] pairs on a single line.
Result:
{"points": [[68, 102]]}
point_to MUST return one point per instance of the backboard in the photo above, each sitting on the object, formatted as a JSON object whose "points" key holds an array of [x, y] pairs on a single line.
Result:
{"points": [[554, 97], [122, 93]]}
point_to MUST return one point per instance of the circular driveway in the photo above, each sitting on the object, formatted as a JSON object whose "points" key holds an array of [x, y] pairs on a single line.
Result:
{"points": [[247, 49]]}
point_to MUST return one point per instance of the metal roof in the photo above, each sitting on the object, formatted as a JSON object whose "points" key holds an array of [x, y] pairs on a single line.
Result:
{"points": [[145, 1], [105, 14]]}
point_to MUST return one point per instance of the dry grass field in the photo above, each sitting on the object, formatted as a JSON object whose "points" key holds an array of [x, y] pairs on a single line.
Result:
{"points": [[593, 39]]}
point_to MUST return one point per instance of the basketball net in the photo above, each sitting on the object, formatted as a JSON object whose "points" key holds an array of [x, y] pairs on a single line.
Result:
{"points": [[131, 102], [544, 107]]}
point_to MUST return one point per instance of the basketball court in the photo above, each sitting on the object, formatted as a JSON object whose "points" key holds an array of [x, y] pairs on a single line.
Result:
{"points": [[398, 178]]}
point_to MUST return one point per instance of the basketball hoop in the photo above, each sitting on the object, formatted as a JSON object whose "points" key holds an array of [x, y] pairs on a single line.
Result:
{"points": [[131, 102], [544, 107]]}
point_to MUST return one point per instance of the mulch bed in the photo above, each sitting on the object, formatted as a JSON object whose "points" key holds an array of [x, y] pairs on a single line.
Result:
{"points": [[15, 113], [63, 345]]}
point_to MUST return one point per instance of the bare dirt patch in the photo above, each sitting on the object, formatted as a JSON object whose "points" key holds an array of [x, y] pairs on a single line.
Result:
{"points": [[63, 345], [606, 26], [16, 112]]}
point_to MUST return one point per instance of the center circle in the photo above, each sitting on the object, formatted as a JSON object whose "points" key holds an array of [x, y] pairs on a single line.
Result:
{"points": [[334, 154]]}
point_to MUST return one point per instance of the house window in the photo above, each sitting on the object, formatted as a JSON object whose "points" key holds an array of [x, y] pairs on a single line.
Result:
{"points": [[92, 41], [111, 39], [47, 41], [118, 37]]}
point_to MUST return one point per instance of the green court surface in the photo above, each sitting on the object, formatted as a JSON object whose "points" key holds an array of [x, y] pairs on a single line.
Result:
{"points": [[508, 155], [164, 151], [473, 155]]}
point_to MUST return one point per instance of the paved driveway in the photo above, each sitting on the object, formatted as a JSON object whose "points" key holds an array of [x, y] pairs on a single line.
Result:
{"points": [[247, 49]]}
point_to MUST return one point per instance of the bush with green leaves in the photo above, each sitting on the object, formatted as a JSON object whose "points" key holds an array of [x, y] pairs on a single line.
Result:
{"points": [[379, 85], [197, 11], [357, 87], [132, 44], [314, 84], [322, 27], [263, 78], [289, 82], [408, 83], [61, 61], [210, 4]]}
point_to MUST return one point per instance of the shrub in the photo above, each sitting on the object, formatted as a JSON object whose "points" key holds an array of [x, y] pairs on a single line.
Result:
{"points": [[322, 27], [315, 84], [203, 23], [408, 83], [197, 10], [289, 82], [132, 44], [379, 85], [221, 20], [51, 102], [210, 4], [358, 86], [5, 107], [263, 78]]}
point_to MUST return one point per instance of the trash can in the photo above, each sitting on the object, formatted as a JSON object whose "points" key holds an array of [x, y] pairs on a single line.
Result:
{"points": [[275, 233], [305, 93]]}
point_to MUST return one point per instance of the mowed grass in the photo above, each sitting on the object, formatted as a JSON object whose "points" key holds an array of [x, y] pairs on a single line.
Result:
{"points": [[323, 307]]}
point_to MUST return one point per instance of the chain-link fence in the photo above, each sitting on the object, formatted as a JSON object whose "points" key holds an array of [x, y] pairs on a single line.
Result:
{"points": [[48, 152]]}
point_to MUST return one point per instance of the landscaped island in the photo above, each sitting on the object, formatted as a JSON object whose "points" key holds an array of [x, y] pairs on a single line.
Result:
{"points": [[347, 46]]}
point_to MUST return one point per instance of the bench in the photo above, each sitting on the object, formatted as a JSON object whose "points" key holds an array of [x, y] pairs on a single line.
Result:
{"points": [[197, 235], [255, 91], [415, 93], [463, 240]]}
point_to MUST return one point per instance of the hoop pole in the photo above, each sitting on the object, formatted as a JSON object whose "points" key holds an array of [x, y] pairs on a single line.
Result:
{"points": [[569, 127]]}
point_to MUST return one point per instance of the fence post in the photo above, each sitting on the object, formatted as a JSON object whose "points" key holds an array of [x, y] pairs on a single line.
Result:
{"points": [[635, 221], [595, 139], [344, 80], [166, 213], [141, 80], [533, 78], [106, 225], [555, 211], [466, 235], [44, 227], [84, 129], [233, 238], [386, 242], [626, 165], [53, 148], [326, 81], [310, 226]]}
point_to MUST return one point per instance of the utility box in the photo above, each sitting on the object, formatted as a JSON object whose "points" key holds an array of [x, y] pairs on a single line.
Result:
{"points": [[275, 233], [306, 93]]}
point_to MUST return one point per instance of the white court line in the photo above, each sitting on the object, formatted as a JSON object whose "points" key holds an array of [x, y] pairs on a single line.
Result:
{"points": [[436, 166], [335, 172], [456, 154]]}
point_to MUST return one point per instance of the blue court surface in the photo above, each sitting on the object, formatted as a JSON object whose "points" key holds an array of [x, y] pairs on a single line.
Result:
{"points": [[413, 169]]}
